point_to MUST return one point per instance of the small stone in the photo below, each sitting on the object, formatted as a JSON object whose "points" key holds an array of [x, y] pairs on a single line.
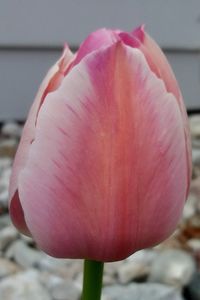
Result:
{"points": [[5, 163], [190, 207], [131, 271], [27, 239], [136, 267], [195, 188], [194, 244], [11, 129], [78, 281], [112, 268], [50, 280], [50, 264], [23, 255], [195, 126], [7, 268], [23, 286], [146, 255], [64, 267], [4, 185], [173, 267], [4, 221], [7, 236], [65, 290], [60, 288], [195, 223], [4, 199], [8, 148], [143, 291], [192, 291], [5, 177], [196, 156], [109, 280], [73, 268]]}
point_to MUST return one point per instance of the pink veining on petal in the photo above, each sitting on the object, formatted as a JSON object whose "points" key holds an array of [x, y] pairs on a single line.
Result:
{"points": [[50, 83], [160, 66], [85, 164], [96, 40]]}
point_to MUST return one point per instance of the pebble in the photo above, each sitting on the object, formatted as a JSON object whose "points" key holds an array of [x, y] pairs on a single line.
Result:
{"points": [[8, 147], [195, 126], [4, 221], [23, 255], [63, 267], [7, 236], [49, 263], [173, 267], [146, 256], [150, 291], [4, 198], [61, 288], [190, 207], [65, 290], [11, 129], [7, 268], [23, 286], [194, 244], [5, 163], [112, 268], [5, 176], [27, 239], [136, 266], [130, 271], [196, 156], [192, 291], [195, 188], [195, 223], [4, 184]]}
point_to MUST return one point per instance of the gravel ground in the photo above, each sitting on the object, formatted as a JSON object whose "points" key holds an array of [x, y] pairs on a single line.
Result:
{"points": [[170, 271]]}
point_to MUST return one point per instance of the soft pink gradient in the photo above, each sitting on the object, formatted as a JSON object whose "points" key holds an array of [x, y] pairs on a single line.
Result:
{"points": [[50, 83], [103, 167]]}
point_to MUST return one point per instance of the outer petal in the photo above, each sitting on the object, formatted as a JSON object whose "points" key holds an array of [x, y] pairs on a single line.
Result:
{"points": [[160, 66], [106, 174], [157, 60], [50, 83], [96, 40]]}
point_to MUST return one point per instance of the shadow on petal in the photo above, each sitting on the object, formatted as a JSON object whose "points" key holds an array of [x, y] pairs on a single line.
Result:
{"points": [[17, 214]]}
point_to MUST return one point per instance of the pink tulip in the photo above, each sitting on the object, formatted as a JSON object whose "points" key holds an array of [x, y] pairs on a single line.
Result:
{"points": [[103, 167]]}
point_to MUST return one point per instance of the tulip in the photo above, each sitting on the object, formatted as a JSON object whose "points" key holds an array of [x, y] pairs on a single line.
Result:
{"points": [[103, 166]]}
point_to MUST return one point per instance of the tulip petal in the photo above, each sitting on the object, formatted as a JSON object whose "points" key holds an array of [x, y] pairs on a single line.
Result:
{"points": [[157, 60], [106, 173], [50, 83], [160, 66], [100, 38]]}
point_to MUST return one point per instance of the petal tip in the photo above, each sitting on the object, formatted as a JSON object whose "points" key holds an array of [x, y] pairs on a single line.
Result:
{"points": [[139, 32]]}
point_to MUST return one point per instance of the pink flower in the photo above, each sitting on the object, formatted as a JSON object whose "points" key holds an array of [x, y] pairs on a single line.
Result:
{"points": [[103, 167]]}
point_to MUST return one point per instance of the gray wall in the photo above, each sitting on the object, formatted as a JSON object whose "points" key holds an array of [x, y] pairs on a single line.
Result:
{"points": [[32, 34]]}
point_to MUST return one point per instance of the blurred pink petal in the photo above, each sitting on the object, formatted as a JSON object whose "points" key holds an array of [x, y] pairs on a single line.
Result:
{"points": [[50, 83], [102, 176]]}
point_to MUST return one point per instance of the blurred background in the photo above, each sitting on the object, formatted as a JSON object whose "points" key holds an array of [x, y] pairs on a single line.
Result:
{"points": [[32, 35]]}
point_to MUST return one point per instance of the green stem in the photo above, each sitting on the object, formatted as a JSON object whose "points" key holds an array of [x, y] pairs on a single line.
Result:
{"points": [[92, 280]]}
